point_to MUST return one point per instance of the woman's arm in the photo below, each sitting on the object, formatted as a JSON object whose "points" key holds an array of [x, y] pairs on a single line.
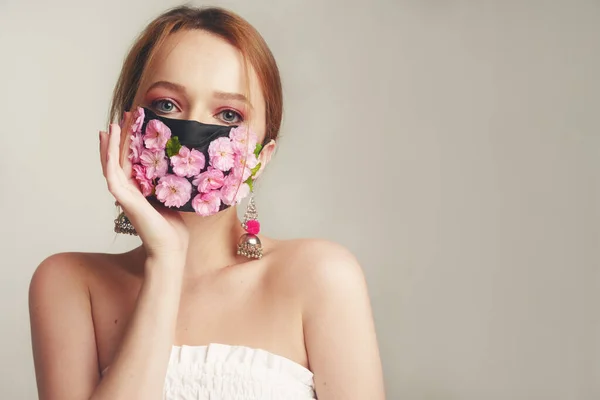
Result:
{"points": [[338, 327], [64, 344], [63, 339]]}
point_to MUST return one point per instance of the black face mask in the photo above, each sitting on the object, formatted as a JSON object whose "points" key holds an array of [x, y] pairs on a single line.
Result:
{"points": [[191, 166]]}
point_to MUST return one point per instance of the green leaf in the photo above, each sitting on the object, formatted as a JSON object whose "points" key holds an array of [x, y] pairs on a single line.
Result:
{"points": [[257, 149], [173, 146], [250, 183], [255, 169]]}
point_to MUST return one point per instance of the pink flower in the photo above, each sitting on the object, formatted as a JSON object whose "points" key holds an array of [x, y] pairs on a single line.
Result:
{"points": [[239, 170], [243, 140], [136, 146], [221, 154], [139, 173], [138, 120], [173, 190], [157, 135], [207, 204], [155, 162], [188, 162], [209, 180], [233, 190]]}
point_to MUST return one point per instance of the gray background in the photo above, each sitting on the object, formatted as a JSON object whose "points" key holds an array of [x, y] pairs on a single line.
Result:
{"points": [[453, 146]]}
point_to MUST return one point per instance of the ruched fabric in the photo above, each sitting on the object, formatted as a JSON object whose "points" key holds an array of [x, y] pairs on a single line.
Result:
{"points": [[224, 372]]}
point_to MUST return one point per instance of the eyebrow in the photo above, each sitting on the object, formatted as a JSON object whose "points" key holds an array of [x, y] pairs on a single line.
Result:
{"points": [[232, 96], [219, 95], [168, 85]]}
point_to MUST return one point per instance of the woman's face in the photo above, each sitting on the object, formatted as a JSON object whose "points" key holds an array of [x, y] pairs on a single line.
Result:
{"points": [[199, 76]]}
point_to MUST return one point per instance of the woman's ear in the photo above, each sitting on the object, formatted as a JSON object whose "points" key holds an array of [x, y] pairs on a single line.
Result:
{"points": [[265, 156]]}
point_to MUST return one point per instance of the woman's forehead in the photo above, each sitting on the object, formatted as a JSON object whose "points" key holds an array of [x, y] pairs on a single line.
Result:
{"points": [[203, 63]]}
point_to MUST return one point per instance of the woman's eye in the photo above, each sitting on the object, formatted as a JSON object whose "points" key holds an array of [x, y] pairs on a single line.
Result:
{"points": [[230, 117], [164, 106]]}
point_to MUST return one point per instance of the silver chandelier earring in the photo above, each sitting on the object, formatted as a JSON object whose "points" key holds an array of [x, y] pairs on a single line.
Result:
{"points": [[249, 244], [123, 224]]}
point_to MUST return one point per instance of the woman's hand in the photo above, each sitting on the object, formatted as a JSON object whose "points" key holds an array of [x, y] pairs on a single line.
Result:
{"points": [[163, 233]]}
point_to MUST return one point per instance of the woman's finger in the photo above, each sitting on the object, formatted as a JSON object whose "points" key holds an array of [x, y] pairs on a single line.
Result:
{"points": [[126, 164], [126, 193], [103, 149], [115, 177]]}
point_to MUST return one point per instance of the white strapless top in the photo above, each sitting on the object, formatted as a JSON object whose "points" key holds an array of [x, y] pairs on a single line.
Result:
{"points": [[224, 372]]}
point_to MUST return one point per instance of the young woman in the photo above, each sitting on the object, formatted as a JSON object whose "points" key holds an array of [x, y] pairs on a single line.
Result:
{"points": [[190, 314]]}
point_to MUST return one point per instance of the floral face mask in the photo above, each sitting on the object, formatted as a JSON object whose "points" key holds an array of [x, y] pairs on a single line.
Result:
{"points": [[191, 166]]}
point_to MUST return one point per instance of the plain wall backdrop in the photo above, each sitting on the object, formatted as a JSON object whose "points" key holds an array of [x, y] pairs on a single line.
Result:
{"points": [[453, 146]]}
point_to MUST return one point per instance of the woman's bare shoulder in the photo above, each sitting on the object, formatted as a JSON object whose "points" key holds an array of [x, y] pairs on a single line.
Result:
{"points": [[79, 268], [308, 250], [305, 262]]}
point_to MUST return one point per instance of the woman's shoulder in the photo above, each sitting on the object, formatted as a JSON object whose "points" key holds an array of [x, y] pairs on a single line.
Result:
{"points": [[77, 269], [308, 249], [315, 264]]}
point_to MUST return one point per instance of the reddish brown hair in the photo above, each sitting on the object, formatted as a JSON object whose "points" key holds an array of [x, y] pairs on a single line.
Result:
{"points": [[223, 23]]}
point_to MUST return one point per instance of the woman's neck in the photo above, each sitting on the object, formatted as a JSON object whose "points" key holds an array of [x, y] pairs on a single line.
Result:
{"points": [[212, 242]]}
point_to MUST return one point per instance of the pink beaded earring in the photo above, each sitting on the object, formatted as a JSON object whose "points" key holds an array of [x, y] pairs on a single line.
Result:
{"points": [[249, 244]]}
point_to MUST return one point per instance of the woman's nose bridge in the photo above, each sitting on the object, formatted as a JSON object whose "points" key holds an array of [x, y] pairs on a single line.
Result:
{"points": [[199, 110]]}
